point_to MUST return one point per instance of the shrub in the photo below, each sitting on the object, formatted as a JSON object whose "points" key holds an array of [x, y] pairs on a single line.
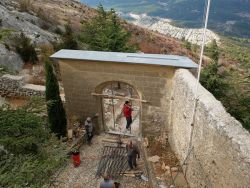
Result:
{"points": [[25, 48], [25, 5], [30, 155], [21, 132]]}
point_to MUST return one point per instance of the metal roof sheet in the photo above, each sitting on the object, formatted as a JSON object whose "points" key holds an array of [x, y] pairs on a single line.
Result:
{"points": [[133, 58]]}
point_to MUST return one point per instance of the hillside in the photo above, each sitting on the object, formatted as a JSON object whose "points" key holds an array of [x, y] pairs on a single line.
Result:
{"points": [[230, 17], [42, 19]]}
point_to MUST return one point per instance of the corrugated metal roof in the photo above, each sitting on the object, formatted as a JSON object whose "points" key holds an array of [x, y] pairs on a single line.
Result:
{"points": [[133, 58]]}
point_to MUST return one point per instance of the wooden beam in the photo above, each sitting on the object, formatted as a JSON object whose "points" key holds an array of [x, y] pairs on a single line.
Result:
{"points": [[118, 97], [120, 133]]}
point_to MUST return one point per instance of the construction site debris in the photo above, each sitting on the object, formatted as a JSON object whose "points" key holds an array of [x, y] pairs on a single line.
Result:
{"points": [[154, 159], [165, 167], [174, 169]]}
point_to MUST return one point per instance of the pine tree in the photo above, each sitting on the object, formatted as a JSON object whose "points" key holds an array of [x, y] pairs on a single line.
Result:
{"points": [[105, 33], [56, 113], [69, 41], [213, 81]]}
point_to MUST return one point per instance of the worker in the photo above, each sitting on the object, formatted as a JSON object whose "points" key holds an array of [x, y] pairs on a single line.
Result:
{"points": [[127, 112], [89, 129], [132, 153], [107, 182]]}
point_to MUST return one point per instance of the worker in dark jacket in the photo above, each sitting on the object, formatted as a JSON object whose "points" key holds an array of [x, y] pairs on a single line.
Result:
{"points": [[89, 129], [127, 112], [132, 153]]}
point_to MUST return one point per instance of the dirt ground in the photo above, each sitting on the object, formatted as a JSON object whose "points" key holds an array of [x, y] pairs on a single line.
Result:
{"points": [[84, 176], [167, 170]]}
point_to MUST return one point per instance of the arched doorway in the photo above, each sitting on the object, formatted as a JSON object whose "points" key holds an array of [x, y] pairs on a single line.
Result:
{"points": [[113, 95]]}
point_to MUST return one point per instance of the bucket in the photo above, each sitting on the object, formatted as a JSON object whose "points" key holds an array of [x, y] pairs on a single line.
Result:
{"points": [[76, 159]]}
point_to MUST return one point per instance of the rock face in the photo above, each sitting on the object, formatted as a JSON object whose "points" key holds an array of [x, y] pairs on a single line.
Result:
{"points": [[11, 86], [25, 22], [164, 26], [10, 59]]}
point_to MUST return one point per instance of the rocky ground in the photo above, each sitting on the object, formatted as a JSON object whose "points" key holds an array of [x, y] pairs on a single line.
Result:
{"points": [[164, 26]]}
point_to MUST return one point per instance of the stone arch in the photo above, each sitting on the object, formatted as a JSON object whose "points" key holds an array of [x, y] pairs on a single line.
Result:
{"points": [[99, 88]]}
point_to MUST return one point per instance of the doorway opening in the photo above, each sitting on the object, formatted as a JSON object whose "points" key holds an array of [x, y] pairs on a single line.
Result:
{"points": [[114, 95]]}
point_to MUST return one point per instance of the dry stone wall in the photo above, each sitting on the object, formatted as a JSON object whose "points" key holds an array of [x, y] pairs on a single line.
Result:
{"points": [[13, 86], [221, 146]]}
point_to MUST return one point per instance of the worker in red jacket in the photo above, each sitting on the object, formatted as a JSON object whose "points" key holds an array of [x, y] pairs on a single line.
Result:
{"points": [[127, 112]]}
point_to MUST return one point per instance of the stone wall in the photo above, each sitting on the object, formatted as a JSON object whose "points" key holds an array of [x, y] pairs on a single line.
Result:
{"points": [[14, 86], [221, 154], [81, 78]]}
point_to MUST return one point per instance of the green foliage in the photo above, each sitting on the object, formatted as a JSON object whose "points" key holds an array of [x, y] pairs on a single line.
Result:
{"points": [[105, 33], [233, 88], [213, 81], [20, 131], [212, 51], [58, 31], [237, 100], [25, 48], [68, 39], [4, 33], [29, 155], [236, 49], [56, 113]]}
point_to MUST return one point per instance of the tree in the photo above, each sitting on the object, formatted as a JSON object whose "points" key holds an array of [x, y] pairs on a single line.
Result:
{"points": [[213, 81], [25, 48], [68, 39], [56, 113], [105, 33], [213, 51]]}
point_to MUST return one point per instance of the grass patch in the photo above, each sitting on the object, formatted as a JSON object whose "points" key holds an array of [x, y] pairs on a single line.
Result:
{"points": [[4, 33]]}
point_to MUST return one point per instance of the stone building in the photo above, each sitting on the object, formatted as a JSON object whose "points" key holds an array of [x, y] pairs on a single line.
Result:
{"points": [[219, 155], [87, 72]]}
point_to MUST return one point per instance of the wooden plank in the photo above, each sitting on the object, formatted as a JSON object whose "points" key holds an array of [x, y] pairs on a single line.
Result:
{"points": [[133, 172], [120, 133], [118, 97]]}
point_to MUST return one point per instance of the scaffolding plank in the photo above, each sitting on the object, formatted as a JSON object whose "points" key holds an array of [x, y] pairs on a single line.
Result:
{"points": [[120, 133]]}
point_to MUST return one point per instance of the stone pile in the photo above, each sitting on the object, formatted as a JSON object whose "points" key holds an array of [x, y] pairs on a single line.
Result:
{"points": [[14, 86]]}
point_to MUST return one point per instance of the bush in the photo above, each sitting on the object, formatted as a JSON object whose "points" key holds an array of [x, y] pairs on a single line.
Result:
{"points": [[213, 81], [30, 155], [25, 5], [21, 132], [58, 31], [25, 48]]}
